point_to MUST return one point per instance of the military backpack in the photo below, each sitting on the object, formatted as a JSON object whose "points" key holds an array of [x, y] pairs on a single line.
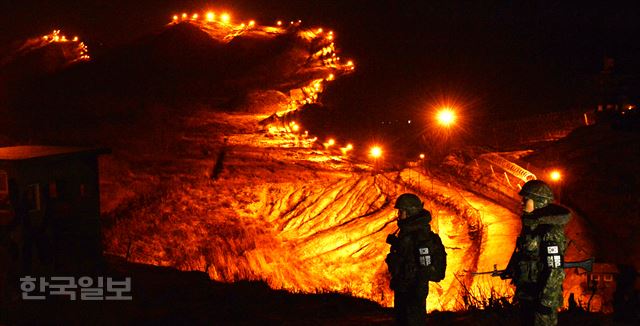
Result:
{"points": [[431, 254]]}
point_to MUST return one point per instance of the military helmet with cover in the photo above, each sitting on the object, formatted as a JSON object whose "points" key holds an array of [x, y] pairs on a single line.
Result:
{"points": [[408, 201], [538, 191]]}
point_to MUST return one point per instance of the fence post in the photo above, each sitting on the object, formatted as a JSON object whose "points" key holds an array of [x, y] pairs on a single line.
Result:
{"points": [[507, 177]]}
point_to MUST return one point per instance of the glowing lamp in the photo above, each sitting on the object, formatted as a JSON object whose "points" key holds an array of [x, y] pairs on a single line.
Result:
{"points": [[210, 16], [175, 17], [446, 117], [375, 152], [331, 142], [296, 128], [346, 149], [225, 18], [184, 15], [252, 23], [279, 23], [422, 156], [194, 17], [555, 175]]}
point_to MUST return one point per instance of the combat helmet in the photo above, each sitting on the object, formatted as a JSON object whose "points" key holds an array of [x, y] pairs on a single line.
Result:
{"points": [[537, 190], [408, 201]]}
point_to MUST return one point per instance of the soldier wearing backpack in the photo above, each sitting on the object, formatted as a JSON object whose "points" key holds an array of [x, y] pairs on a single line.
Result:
{"points": [[536, 265], [417, 256]]}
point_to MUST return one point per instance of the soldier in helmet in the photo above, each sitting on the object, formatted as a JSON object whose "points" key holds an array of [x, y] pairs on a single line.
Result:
{"points": [[416, 257], [536, 263]]}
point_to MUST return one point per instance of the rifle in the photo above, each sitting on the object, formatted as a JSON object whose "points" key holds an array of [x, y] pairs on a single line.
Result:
{"points": [[586, 265]]}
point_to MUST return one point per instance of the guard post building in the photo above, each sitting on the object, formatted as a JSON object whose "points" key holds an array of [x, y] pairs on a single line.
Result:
{"points": [[50, 210]]}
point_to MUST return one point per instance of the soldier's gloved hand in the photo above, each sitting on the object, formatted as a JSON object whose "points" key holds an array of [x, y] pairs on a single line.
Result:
{"points": [[505, 275]]}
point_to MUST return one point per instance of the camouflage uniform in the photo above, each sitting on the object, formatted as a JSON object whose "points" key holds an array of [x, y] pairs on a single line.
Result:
{"points": [[409, 279], [536, 264]]}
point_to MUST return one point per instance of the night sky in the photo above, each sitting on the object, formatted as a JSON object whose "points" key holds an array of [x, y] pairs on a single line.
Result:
{"points": [[493, 59]]}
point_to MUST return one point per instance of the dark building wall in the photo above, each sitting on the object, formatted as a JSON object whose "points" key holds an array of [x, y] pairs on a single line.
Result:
{"points": [[56, 201]]}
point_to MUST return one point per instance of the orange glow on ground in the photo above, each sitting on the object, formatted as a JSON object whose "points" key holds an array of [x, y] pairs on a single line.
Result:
{"points": [[305, 220], [300, 230]]}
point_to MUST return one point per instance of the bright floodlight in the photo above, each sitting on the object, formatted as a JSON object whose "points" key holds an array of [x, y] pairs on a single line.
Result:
{"points": [[225, 18], [375, 151], [331, 142], [210, 16], [446, 117], [346, 149], [422, 156], [555, 175]]}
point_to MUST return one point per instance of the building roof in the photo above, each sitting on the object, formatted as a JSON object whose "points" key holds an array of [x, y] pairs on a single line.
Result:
{"points": [[18, 153]]}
